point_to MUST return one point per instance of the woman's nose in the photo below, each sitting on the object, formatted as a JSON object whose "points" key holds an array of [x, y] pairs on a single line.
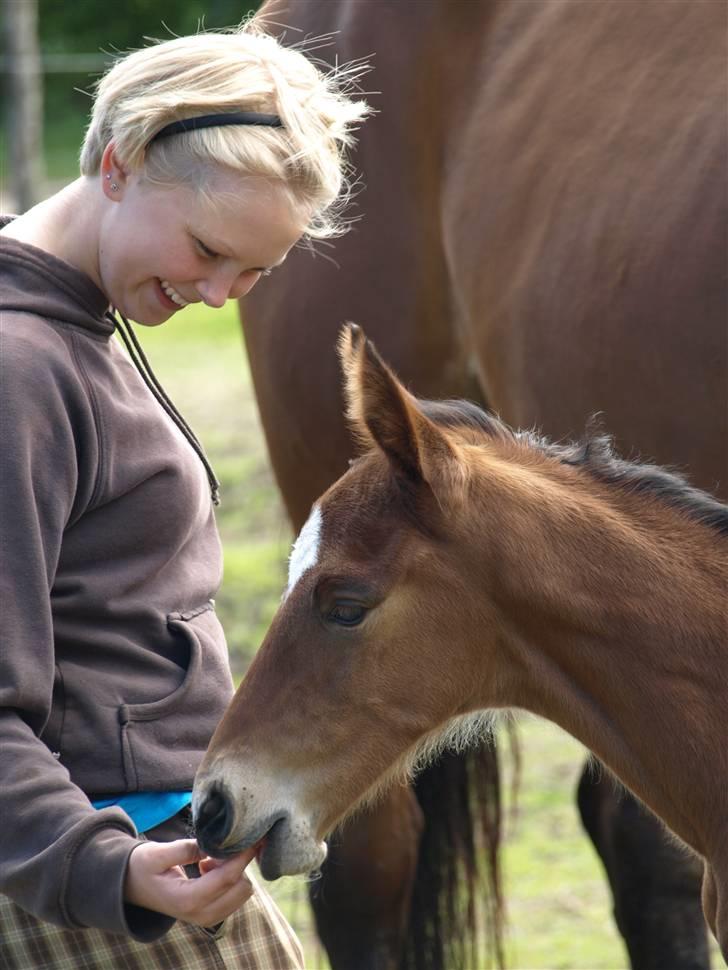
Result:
{"points": [[216, 290]]}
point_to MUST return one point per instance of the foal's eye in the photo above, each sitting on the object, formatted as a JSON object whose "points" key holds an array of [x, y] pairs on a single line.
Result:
{"points": [[347, 614]]}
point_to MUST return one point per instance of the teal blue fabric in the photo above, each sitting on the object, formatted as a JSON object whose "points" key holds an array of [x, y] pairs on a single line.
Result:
{"points": [[148, 808]]}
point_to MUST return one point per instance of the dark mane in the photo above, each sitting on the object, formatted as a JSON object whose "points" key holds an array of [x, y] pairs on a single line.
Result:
{"points": [[594, 454], [464, 414]]}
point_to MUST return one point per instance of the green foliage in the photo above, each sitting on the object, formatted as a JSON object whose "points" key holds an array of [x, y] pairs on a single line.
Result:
{"points": [[87, 26]]}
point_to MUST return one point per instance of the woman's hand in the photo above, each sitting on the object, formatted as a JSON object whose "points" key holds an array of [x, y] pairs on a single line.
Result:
{"points": [[155, 880]]}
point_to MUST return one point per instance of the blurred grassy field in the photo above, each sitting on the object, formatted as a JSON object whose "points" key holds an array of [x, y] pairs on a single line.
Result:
{"points": [[558, 905]]}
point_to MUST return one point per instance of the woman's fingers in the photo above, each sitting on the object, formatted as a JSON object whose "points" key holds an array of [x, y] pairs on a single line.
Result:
{"points": [[215, 874], [207, 865], [152, 870], [167, 855], [156, 881], [243, 859], [207, 908]]}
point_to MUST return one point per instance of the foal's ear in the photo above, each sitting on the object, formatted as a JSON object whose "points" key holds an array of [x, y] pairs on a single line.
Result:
{"points": [[382, 412]]}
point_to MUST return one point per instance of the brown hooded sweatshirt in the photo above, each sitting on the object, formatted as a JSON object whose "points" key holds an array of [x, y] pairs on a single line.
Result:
{"points": [[113, 665]]}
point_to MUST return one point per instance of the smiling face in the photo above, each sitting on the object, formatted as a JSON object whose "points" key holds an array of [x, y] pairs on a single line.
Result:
{"points": [[161, 248]]}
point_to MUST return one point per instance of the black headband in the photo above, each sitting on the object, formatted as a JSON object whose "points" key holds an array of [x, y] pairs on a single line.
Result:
{"points": [[218, 121]]}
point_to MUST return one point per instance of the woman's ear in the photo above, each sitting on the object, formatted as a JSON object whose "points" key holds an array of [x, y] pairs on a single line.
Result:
{"points": [[113, 174]]}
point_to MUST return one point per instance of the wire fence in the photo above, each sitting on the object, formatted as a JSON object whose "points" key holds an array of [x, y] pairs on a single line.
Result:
{"points": [[62, 63], [82, 69]]}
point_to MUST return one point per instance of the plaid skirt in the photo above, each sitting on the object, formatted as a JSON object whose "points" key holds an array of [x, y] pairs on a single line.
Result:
{"points": [[257, 937]]}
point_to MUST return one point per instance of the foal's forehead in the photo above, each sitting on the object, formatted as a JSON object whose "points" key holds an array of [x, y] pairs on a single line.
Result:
{"points": [[306, 549], [349, 518]]}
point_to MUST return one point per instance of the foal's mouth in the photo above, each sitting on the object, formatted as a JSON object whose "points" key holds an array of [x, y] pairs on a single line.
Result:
{"points": [[258, 835], [269, 845]]}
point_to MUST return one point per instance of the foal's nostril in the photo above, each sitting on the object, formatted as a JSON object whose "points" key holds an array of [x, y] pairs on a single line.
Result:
{"points": [[214, 817]]}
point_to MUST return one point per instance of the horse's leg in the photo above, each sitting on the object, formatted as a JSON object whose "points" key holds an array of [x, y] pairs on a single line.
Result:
{"points": [[654, 880], [369, 876]]}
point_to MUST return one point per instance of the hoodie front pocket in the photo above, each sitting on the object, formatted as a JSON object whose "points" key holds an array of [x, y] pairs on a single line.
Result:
{"points": [[163, 740]]}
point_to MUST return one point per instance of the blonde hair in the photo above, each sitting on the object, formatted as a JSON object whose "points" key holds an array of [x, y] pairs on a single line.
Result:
{"points": [[243, 69]]}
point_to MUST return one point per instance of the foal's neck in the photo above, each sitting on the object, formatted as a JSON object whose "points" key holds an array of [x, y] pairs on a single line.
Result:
{"points": [[615, 624]]}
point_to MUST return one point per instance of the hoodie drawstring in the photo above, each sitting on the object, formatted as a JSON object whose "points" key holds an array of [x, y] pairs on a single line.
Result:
{"points": [[140, 361]]}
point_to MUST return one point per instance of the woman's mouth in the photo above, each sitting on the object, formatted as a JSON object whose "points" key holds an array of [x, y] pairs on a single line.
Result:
{"points": [[168, 296]]}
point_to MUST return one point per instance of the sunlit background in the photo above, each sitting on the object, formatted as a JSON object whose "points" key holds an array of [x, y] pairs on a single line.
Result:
{"points": [[558, 903]]}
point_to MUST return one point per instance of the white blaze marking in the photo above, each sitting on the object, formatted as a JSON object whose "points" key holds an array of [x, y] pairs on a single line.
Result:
{"points": [[304, 553]]}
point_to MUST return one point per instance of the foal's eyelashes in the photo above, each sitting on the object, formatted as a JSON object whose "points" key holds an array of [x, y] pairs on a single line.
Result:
{"points": [[346, 613]]}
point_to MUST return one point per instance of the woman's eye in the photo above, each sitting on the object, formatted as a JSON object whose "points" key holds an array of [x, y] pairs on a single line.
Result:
{"points": [[205, 250], [347, 614]]}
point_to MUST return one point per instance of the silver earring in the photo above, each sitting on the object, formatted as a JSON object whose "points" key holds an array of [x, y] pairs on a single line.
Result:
{"points": [[114, 187]]}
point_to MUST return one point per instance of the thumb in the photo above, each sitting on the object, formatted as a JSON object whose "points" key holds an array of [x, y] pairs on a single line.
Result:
{"points": [[167, 855]]}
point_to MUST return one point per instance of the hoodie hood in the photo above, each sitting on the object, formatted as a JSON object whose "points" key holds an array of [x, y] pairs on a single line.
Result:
{"points": [[34, 281]]}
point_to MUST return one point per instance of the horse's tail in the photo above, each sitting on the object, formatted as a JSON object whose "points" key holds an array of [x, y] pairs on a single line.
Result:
{"points": [[456, 917]]}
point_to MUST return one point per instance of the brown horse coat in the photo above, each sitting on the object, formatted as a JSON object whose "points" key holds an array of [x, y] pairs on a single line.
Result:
{"points": [[545, 217]]}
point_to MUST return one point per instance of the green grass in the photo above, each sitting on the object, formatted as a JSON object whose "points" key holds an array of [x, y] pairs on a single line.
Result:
{"points": [[558, 905]]}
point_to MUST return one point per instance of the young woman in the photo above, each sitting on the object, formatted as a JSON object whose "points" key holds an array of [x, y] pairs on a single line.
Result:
{"points": [[207, 159]]}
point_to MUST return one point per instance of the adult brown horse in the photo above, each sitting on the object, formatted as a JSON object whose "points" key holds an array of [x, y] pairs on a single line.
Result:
{"points": [[458, 568], [544, 231]]}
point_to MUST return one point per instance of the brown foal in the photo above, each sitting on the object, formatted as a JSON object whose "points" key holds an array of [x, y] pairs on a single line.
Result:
{"points": [[459, 567]]}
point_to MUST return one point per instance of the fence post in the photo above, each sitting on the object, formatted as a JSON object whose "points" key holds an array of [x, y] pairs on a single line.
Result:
{"points": [[24, 101]]}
